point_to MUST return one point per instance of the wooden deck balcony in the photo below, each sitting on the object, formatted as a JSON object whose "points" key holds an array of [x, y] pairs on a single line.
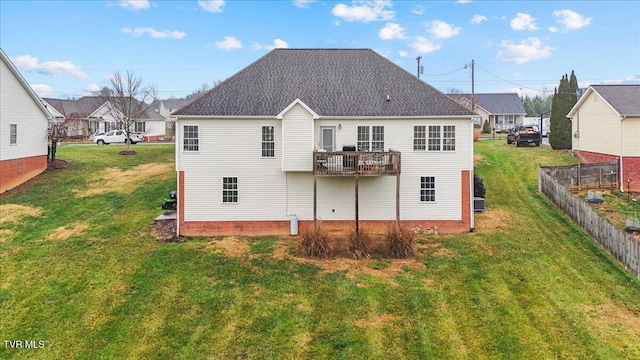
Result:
{"points": [[356, 163]]}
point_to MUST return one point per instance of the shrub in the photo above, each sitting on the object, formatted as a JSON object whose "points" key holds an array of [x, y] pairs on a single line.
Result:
{"points": [[401, 241], [476, 135], [478, 187], [486, 128], [315, 242], [359, 244]]}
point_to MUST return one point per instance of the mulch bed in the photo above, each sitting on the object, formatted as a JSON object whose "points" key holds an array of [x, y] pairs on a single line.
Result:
{"points": [[57, 165], [127, 152], [166, 230]]}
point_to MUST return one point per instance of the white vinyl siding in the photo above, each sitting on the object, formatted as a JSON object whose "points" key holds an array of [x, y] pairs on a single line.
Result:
{"points": [[297, 139], [267, 193], [19, 107], [630, 136], [598, 125]]}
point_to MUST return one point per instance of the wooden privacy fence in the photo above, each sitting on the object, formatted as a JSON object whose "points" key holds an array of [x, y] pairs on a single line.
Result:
{"points": [[619, 244], [585, 176]]}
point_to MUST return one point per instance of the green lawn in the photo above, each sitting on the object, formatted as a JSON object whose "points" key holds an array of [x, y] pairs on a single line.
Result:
{"points": [[81, 271]]}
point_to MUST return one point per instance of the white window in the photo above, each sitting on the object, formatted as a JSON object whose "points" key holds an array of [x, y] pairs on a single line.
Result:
{"points": [[370, 138], [110, 125], [13, 134], [268, 142], [190, 138], [427, 189], [229, 189], [140, 126], [419, 138], [442, 138]]}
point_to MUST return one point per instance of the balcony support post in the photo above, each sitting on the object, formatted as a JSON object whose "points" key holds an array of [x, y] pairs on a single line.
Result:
{"points": [[315, 203], [357, 220]]}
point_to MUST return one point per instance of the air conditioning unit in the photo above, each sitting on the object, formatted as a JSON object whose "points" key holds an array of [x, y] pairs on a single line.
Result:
{"points": [[478, 204]]}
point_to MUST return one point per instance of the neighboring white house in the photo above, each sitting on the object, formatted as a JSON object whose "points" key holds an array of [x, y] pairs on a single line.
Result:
{"points": [[91, 115], [257, 149], [165, 108], [23, 128], [502, 110], [605, 126]]}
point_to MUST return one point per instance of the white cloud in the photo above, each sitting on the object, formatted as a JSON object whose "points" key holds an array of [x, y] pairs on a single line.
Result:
{"points": [[229, 43], [526, 50], [418, 10], [56, 68], [92, 88], [571, 19], [464, 1], [391, 31], [478, 19], [552, 29], [43, 90], [403, 53], [214, 6], [424, 46], [277, 44], [153, 33], [134, 5], [364, 10], [523, 22], [442, 30], [302, 3]]}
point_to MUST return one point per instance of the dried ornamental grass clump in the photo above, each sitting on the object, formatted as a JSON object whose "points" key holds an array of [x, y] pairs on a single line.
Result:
{"points": [[315, 242], [401, 241], [359, 244]]}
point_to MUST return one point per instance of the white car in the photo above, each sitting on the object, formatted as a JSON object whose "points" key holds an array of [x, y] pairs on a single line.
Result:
{"points": [[117, 136]]}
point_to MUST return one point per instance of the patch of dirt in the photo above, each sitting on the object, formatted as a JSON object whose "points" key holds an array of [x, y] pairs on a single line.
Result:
{"points": [[4, 235], [479, 159], [376, 321], [165, 230], [238, 248], [13, 213], [436, 250], [493, 219], [127, 152], [607, 315], [65, 232], [57, 165], [116, 180]]}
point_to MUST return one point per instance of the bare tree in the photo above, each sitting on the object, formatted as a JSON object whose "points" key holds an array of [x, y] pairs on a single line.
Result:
{"points": [[58, 129], [129, 101]]}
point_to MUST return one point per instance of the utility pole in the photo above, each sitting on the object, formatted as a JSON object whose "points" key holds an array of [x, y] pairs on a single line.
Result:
{"points": [[473, 82], [420, 68]]}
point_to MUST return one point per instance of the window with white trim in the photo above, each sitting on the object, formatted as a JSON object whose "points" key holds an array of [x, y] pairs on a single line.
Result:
{"points": [[229, 189], [13, 134], [370, 138], [268, 142], [110, 125], [190, 140], [427, 189], [441, 138], [140, 126], [420, 138]]}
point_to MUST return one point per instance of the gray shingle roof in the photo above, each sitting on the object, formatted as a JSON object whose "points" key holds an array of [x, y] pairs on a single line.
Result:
{"points": [[332, 82], [498, 103], [81, 108], [625, 99]]}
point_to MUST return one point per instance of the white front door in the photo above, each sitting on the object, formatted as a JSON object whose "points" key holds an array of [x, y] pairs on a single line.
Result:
{"points": [[328, 138]]}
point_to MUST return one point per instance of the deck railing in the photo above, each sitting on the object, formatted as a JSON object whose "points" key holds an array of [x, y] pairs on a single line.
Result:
{"points": [[352, 163]]}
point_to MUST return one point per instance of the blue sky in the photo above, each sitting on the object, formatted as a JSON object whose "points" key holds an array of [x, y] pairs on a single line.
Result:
{"points": [[69, 48]]}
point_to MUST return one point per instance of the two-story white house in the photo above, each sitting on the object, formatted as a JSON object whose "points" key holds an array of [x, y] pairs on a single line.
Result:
{"points": [[23, 128], [605, 126], [295, 131]]}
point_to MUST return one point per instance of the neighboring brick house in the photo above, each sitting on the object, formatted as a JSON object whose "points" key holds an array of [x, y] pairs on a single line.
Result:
{"points": [[304, 132], [23, 128], [91, 115], [502, 110], [605, 126]]}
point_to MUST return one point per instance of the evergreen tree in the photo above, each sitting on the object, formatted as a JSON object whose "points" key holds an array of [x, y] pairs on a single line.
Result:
{"points": [[563, 100], [486, 128]]}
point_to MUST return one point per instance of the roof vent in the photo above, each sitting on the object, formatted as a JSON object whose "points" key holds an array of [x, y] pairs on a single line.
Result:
{"points": [[388, 97]]}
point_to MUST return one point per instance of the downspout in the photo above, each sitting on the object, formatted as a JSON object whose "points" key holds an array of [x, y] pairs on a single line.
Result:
{"points": [[621, 154], [176, 136], [471, 183]]}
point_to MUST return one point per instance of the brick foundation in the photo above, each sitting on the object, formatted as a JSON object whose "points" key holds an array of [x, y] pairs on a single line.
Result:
{"points": [[631, 170], [14, 172], [283, 227], [154, 138], [630, 166]]}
